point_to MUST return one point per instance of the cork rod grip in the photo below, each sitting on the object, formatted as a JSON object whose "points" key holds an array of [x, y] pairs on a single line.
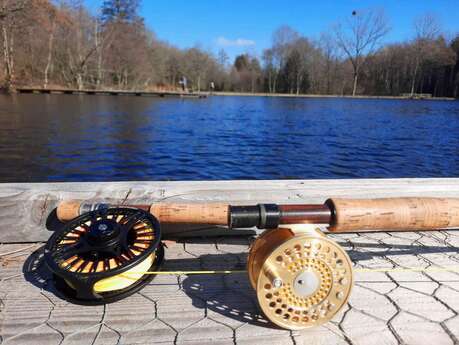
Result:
{"points": [[211, 213], [215, 214], [399, 214], [67, 210]]}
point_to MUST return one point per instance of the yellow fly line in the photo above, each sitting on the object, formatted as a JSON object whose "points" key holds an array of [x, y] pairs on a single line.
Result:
{"points": [[189, 272], [123, 280], [398, 269]]}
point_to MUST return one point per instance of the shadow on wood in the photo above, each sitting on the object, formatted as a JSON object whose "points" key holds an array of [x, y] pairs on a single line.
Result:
{"points": [[52, 222], [228, 295], [222, 296]]}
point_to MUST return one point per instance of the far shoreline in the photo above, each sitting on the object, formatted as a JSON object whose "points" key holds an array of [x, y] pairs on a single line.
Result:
{"points": [[204, 94], [289, 95]]}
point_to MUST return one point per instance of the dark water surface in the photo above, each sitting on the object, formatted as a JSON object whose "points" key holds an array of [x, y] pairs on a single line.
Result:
{"points": [[106, 138]]}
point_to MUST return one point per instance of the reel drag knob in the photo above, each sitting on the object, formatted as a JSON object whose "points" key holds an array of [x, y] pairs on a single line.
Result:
{"points": [[301, 280]]}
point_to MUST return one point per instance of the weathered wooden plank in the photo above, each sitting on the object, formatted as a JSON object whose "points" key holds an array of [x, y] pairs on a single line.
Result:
{"points": [[24, 207]]}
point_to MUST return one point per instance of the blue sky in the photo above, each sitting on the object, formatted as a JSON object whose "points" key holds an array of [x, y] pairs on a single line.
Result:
{"points": [[246, 25]]}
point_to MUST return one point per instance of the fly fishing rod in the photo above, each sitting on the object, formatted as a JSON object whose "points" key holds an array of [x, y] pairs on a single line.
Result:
{"points": [[341, 215], [302, 278]]}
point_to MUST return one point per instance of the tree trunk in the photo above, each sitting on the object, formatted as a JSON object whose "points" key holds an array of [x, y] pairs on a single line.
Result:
{"points": [[79, 80], [298, 83], [413, 82], [269, 82], [354, 88], [50, 53], [99, 55], [8, 59]]}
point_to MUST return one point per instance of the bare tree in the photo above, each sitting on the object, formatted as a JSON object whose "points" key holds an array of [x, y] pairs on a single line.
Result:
{"points": [[52, 29], [10, 19], [270, 70], [222, 58], [282, 40], [197, 64], [297, 64], [98, 39], [427, 29], [328, 47], [52, 18], [359, 36]]}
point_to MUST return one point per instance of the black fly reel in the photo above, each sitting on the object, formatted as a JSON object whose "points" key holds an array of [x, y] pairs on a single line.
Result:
{"points": [[103, 256]]}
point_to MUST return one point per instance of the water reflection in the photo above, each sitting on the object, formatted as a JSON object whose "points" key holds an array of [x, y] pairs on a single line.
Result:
{"points": [[97, 138]]}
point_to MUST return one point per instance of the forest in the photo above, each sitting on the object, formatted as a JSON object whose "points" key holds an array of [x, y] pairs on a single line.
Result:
{"points": [[62, 44]]}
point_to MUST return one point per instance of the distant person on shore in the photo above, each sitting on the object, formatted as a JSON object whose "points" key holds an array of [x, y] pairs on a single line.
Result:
{"points": [[212, 87], [183, 82]]}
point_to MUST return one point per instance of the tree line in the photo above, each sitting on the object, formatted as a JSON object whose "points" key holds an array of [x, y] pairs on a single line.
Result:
{"points": [[61, 44]]}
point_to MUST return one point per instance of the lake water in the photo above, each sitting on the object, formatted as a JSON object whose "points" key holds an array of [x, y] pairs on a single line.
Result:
{"points": [[107, 138]]}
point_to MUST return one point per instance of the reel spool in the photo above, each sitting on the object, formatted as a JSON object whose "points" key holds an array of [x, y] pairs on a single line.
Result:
{"points": [[302, 280], [99, 257]]}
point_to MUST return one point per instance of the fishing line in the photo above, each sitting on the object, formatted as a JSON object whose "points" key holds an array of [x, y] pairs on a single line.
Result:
{"points": [[367, 270]]}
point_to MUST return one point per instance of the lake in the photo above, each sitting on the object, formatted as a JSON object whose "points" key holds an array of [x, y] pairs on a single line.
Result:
{"points": [[108, 138]]}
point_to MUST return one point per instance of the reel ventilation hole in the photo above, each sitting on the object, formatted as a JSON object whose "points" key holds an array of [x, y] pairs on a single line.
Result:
{"points": [[100, 256], [301, 280]]}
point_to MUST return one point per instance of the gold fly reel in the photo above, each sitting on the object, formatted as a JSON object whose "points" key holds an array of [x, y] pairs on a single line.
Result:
{"points": [[302, 279]]}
